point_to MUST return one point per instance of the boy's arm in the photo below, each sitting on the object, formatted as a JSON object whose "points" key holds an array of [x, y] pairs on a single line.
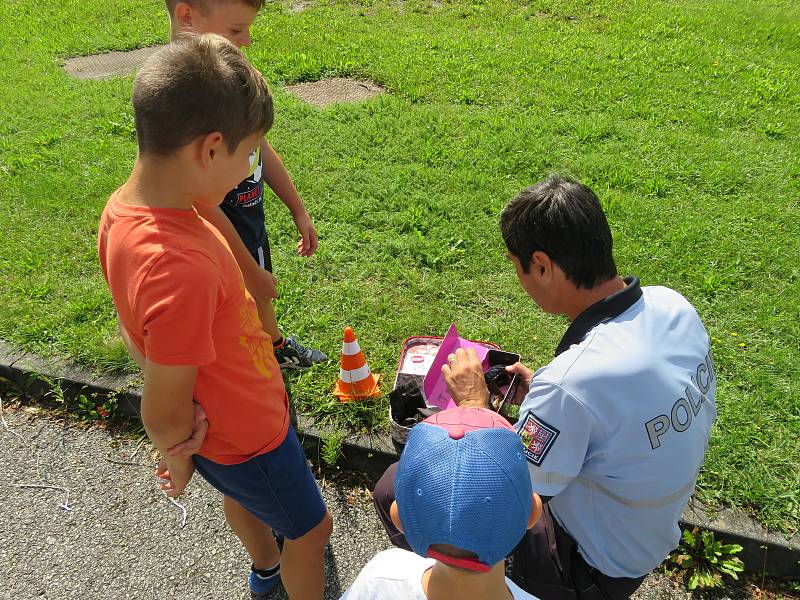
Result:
{"points": [[278, 178], [167, 415], [186, 448], [259, 282]]}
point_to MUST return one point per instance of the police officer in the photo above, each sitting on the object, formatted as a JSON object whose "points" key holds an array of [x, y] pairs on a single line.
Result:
{"points": [[615, 427]]}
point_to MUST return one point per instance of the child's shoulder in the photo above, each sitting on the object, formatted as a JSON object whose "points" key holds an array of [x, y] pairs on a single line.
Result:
{"points": [[187, 261], [392, 573], [183, 244], [396, 563]]}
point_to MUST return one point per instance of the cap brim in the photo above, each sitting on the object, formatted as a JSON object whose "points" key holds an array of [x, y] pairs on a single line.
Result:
{"points": [[471, 564]]}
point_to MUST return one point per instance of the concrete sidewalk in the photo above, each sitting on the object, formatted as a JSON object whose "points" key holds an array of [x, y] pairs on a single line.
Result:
{"points": [[121, 538]]}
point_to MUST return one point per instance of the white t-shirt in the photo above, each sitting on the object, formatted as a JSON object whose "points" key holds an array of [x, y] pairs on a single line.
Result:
{"points": [[397, 575], [616, 428]]}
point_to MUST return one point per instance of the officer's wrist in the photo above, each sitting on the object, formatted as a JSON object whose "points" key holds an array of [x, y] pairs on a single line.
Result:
{"points": [[474, 402]]}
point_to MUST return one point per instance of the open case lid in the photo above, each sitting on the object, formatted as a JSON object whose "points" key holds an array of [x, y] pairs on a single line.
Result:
{"points": [[434, 387], [421, 363]]}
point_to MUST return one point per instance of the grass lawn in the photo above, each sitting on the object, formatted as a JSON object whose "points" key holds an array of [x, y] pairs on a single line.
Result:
{"points": [[682, 115]]}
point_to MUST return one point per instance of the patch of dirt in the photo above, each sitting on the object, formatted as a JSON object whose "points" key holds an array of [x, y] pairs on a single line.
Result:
{"points": [[299, 6], [110, 64], [336, 90]]}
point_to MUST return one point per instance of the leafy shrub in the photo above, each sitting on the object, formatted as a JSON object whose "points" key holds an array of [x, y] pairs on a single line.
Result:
{"points": [[705, 560]]}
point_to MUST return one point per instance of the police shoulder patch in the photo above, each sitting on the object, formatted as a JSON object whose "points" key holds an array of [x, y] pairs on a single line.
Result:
{"points": [[537, 437]]}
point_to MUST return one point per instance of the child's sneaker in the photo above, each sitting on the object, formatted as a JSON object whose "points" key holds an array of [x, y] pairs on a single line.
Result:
{"points": [[263, 582], [293, 355]]}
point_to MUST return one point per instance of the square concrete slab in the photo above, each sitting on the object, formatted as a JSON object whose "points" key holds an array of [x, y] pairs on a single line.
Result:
{"points": [[332, 91], [110, 64]]}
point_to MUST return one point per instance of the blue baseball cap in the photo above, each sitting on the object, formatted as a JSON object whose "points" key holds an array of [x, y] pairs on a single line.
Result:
{"points": [[463, 481]]}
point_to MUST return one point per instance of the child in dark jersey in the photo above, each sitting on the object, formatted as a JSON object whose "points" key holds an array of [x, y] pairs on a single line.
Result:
{"points": [[240, 217]]}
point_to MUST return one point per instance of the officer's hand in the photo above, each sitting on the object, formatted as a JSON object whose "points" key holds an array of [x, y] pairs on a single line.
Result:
{"points": [[525, 374], [463, 375]]}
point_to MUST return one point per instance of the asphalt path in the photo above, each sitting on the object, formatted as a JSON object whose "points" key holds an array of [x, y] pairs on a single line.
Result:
{"points": [[105, 531]]}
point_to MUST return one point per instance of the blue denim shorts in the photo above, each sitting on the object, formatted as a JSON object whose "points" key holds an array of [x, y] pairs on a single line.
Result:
{"points": [[277, 487]]}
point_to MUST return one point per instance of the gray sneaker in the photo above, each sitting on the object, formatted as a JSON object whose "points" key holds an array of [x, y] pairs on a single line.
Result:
{"points": [[293, 355]]}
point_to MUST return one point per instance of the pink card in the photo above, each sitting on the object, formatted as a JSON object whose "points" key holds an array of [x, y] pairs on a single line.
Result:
{"points": [[434, 387]]}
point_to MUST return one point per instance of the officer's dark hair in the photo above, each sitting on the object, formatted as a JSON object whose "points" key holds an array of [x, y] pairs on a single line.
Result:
{"points": [[562, 218]]}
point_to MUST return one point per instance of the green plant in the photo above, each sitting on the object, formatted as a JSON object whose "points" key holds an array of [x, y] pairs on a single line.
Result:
{"points": [[86, 407], [332, 447], [93, 407], [56, 392], [706, 560]]}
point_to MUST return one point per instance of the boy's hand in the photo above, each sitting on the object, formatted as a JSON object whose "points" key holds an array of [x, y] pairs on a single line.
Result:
{"points": [[175, 475], [260, 283], [278, 179], [191, 446], [463, 375], [308, 242], [526, 375]]}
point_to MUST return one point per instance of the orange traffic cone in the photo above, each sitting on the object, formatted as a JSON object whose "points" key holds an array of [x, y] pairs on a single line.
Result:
{"points": [[356, 381]]}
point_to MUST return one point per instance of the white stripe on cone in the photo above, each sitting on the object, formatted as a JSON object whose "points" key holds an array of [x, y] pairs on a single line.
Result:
{"points": [[355, 375], [350, 348]]}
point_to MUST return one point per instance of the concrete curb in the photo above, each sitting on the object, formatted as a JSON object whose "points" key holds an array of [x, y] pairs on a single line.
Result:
{"points": [[764, 551], [35, 376]]}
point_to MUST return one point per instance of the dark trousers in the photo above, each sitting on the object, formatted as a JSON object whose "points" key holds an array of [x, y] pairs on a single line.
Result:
{"points": [[545, 563]]}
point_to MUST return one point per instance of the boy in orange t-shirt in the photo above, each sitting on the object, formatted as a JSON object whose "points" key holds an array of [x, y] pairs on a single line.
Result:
{"points": [[200, 112]]}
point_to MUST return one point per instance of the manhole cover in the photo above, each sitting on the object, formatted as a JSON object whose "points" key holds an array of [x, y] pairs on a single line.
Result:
{"points": [[111, 64], [339, 89]]}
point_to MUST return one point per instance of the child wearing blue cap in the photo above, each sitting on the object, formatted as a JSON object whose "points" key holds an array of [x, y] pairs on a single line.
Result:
{"points": [[463, 501]]}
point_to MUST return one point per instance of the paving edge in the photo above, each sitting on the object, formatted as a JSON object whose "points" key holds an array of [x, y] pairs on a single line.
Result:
{"points": [[764, 552]]}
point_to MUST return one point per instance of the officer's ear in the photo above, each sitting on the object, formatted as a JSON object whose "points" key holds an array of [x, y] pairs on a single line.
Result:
{"points": [[541, 264], [536, 510], [394, 514]]}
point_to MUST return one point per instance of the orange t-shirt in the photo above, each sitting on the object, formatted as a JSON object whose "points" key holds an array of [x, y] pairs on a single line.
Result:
{"points": [[179, 293]]}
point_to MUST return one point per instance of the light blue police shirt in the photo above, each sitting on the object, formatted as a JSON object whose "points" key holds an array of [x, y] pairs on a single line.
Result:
{"points": [[616, 427]]}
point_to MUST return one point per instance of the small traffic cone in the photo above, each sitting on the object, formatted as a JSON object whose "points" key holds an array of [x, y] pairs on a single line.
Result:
{"points": [[356, 381]]}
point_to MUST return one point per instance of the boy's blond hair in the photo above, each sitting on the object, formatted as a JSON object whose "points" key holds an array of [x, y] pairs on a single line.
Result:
{"points": [[203, 4], [194, 86]]}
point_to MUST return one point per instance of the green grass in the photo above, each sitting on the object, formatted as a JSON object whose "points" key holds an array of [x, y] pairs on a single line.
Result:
{"points": [[682, 115]]}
